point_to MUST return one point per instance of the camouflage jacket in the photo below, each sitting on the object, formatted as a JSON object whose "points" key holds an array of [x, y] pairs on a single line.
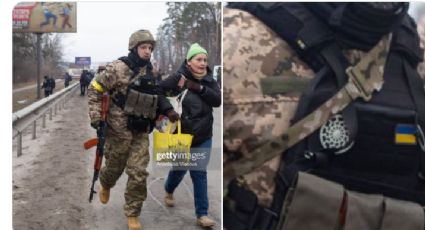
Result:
{"points": [[115, 79], [254, 55]]}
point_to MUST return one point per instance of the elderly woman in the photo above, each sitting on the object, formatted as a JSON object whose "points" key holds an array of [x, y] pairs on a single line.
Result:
{"points": [[203, 93]]}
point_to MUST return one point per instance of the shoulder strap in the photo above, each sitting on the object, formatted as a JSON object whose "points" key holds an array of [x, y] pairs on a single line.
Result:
{"points": [[364, 78]]}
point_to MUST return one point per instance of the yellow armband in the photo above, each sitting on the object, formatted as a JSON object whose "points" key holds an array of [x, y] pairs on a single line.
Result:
{"points": [[97, 86]]}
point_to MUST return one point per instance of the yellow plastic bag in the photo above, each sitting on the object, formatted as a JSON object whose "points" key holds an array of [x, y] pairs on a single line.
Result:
{"points": [[167, 142]]}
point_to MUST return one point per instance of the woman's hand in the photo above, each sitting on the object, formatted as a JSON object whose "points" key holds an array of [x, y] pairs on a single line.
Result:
{"points": [[193, 86], [172, 115]]}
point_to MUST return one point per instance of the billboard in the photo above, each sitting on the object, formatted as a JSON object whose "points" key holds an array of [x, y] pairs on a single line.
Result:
{"points": [[45, 17], [83, 61]]}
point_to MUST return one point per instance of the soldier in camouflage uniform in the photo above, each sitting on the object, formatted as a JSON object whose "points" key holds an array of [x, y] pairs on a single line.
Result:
{"points": [[264, 79], [127, 145]]}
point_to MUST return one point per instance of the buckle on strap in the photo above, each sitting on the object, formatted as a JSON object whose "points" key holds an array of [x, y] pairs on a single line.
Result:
{"points": [[357, 84]]}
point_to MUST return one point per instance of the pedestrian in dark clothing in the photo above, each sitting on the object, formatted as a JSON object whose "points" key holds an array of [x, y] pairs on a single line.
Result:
{"points": [[52, 83], [194, 80], [67, 79], [84, 82], [90, 76], [47, 86]]}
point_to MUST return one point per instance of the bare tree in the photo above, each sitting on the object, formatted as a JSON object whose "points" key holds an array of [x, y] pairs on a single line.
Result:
{"points": [[187, 23], [24, 55]]}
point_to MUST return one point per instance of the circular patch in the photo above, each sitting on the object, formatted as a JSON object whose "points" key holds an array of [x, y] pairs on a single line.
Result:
{"points": [[334, 135]]}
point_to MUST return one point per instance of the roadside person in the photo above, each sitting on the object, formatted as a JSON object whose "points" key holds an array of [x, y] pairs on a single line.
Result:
{"points": [[84, 79], [67, 79], [52, 83], [47, 86]]}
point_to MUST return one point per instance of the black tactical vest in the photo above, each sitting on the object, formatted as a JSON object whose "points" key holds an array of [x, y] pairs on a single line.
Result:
{"points": [[141, 101]]}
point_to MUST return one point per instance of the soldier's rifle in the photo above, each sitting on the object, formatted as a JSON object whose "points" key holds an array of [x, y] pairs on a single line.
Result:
{"points": [[99, 142]]}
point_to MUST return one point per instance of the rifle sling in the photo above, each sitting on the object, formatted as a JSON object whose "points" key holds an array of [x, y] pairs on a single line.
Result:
{"points": [[363, 79]]}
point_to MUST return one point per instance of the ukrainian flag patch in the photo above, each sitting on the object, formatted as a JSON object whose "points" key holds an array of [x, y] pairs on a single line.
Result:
{"points": [[405, 134]]}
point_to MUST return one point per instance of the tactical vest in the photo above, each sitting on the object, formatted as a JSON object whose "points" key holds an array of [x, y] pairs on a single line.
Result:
{"points": [[373, 147], [141, 101]]}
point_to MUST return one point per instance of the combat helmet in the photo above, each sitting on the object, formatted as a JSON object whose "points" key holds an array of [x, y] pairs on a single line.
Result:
{"points": [[140, 36]]}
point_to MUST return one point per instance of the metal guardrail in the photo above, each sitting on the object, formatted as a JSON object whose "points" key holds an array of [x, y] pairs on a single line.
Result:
{"points": [[29, 115]]}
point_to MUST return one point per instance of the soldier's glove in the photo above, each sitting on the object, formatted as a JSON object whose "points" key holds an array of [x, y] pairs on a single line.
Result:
{"points": [[194, 86], [172, 115], [95, 123]]}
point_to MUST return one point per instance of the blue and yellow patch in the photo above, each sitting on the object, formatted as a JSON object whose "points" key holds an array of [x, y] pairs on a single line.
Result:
{"points": [[405, 134]]}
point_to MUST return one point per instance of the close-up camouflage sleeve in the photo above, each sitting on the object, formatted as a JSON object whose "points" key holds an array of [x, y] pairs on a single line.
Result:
{"points": [[255, 62]]}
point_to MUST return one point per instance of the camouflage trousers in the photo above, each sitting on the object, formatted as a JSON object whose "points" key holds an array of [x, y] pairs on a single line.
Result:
{"points": [[133, 156]]}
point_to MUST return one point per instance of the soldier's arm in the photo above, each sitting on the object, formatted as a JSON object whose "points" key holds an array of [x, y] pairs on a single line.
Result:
{"points": [[169, 86], [253, 116], [164, 105], [103, 82]]}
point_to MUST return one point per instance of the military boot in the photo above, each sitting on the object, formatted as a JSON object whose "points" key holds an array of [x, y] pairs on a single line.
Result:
{"points": [[103, 195], [205, 222], [134, 223], [169, 199]]}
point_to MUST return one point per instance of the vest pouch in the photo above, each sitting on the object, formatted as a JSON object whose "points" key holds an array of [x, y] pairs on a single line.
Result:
{"points": [[374, 211], [140, 104], [402, 215], [316, 203], [305, 204], [374, 183], [139, 124], [146, 106], [131, 102], [364, 211]]}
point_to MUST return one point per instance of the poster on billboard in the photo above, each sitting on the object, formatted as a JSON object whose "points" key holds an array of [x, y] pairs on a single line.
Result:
{"points": [[83, 61], [45, 17]]}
